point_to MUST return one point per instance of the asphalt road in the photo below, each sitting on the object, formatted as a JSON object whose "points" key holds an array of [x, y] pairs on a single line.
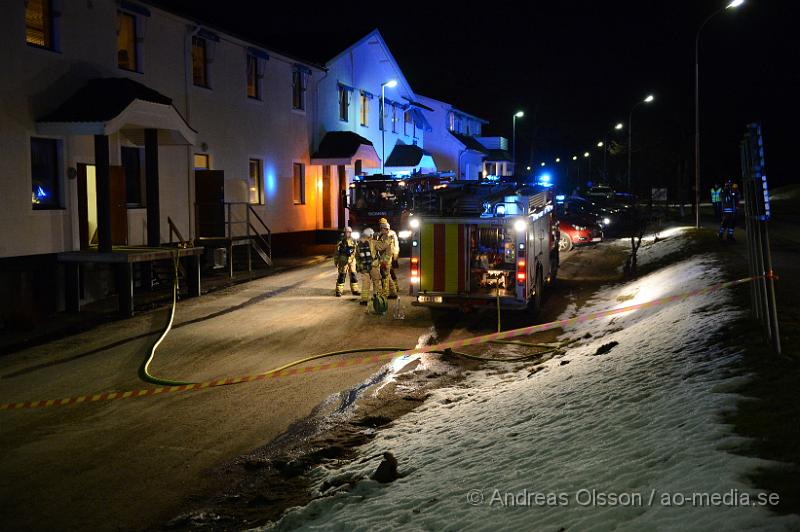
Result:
{"points": [[129, 463]]}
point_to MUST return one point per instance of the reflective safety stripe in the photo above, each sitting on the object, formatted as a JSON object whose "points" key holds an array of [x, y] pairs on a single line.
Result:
{"points": [[427, 259], [451, 258]]}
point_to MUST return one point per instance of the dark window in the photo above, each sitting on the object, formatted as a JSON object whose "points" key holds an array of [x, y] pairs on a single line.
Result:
{"points": [[127, 57], [395, 121], [256, 184], [45, 174], [299, 183], [298, 89], [344, 104], [200, 61], [133, 163], [406, 122], [253, 85], [39, 23]]}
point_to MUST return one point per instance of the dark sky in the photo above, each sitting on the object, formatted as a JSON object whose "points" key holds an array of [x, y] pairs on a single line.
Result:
{"points": [[575, 68]]}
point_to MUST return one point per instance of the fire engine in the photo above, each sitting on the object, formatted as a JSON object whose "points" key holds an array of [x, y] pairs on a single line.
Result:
{"points": [[487, 246]]}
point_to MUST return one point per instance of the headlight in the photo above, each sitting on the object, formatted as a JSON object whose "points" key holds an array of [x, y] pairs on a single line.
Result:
{"points": [[356, 235], [501, 210], [579, 228], [520, 225], [404, 234], [414, 223], [606, 221]]}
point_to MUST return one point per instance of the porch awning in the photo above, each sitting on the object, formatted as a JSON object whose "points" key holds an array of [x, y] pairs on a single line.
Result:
{"points": [[344, 148], [109, 105], [411, 158]]}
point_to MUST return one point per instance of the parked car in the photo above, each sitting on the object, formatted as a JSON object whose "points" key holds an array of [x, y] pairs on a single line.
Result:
{"points": [[605, 213], [577, 230], [601, 191]]}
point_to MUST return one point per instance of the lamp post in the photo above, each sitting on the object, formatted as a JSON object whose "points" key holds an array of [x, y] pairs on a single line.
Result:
{"points": [[391, 84], [518, 114], [649, 98], [731, 5]]}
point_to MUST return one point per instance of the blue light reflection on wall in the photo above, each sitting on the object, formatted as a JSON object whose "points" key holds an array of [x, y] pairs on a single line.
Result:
{"points": [[270, 180]]}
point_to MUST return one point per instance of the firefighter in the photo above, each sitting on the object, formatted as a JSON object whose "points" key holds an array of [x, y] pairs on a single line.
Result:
{"points": [[388, 259], [716, 201], [730, 201], [345, 261], [368, 265]]}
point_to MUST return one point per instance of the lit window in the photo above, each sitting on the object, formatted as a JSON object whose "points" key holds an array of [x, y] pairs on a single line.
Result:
{"points": [[298, 89], [255, 183], [364, 109], [39, 23], [201, 161], [127, 57], [45, 174], [344, 104], [299, 183], [133, 163], [253, 78], [200, 62]]}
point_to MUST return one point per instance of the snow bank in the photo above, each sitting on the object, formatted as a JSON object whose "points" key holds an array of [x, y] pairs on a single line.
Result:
{"points": [[644, 418]]}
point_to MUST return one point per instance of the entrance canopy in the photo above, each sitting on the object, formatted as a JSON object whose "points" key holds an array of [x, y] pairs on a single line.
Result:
{"points": [[344, 148], [409, 158], [110, 105]]}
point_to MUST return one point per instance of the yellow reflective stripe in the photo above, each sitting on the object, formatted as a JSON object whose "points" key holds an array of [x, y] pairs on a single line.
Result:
{"points": [[451, 257], [426, 257]]}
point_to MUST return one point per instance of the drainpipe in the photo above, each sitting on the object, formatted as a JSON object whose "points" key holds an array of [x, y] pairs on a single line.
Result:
{"points": [[315, 142], [191, 31]]}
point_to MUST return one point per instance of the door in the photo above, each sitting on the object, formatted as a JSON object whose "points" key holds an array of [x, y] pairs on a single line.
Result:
{"points": [[327, 222], [209, 197], [119, 206], [341, 172], [87, 205]]}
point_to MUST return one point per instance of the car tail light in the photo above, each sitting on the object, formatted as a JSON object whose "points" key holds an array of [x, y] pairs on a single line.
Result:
{"points": [[521, 270], [414, 270]]}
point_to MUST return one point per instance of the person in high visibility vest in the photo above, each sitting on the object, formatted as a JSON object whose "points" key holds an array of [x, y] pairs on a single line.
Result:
{"points": [[388, 259], [729, 202], [345, 261], [716, 201], [367, 264]]}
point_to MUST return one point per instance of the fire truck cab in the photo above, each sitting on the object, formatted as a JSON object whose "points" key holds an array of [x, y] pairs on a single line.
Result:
{"points": [[509, 252]]}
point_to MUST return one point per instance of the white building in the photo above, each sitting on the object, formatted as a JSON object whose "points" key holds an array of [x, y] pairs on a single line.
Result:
{"points": [[349, 100], [457, 145], [225, 120]]}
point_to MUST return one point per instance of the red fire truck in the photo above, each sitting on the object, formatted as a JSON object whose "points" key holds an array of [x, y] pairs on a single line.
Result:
{"points": [[508, 249]]}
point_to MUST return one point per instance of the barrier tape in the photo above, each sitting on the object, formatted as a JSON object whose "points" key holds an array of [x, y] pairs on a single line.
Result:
{"points": [[476, 340]]}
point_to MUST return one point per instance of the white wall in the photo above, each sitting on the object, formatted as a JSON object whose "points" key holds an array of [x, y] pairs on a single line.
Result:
{"points": [[235, 128]]}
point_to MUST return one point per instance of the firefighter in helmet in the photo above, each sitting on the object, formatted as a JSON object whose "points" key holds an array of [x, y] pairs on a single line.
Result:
{"points": [[367, 264], [730, 202], [388, 259], [345, 261]]}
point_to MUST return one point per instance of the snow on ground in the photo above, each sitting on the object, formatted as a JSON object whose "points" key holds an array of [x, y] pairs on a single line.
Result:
{"points": [[671, 240], [639, 422]]}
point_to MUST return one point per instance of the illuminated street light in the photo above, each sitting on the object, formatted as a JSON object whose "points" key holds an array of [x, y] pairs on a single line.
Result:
{"points": [[542, 165], [518, 114], [528, 168], [574, 157], [600, 144], [586, 154], [649, 98], [733, 4], [558, 159]]}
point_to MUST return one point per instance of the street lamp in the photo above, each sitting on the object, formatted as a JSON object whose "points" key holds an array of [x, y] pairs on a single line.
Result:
{"points": [[558, 159], [518, 114], [542, 164], [731, 5], [392, 83], [600, 144], [649, 98], [619, 126], [574, 157]]}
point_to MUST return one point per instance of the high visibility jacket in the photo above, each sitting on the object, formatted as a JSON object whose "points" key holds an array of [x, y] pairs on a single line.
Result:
{"points": [[393, 247], [367, 254], [716, 194]]}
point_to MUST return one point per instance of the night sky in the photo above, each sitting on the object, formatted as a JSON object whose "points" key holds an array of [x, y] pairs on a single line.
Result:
{"points": [[575, 68]]}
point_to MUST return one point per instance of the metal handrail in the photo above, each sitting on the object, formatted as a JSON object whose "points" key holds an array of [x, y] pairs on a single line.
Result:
{"points": [[173, 230]]}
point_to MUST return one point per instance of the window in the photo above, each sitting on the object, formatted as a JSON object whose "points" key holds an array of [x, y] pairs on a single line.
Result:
{"points": [[39, 23], [127, 56], [451, 119], [253, 78], [132, 162], [407, 122], [395, 121], [45, 174], [298, 89], [201, 161], [256, 182], [344, 104], [299, 183], [364, 109], [200, 61]]}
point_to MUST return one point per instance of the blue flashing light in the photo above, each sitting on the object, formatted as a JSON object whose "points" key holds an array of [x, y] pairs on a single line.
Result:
{"points": [[545, 180], [41, 193], [561, 197]]}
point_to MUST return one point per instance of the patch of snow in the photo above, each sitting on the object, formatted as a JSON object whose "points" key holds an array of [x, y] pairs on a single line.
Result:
{"points": [[643, 418]]}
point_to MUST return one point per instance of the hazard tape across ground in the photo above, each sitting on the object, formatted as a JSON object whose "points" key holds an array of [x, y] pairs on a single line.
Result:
{"points": [[476, 340]]}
